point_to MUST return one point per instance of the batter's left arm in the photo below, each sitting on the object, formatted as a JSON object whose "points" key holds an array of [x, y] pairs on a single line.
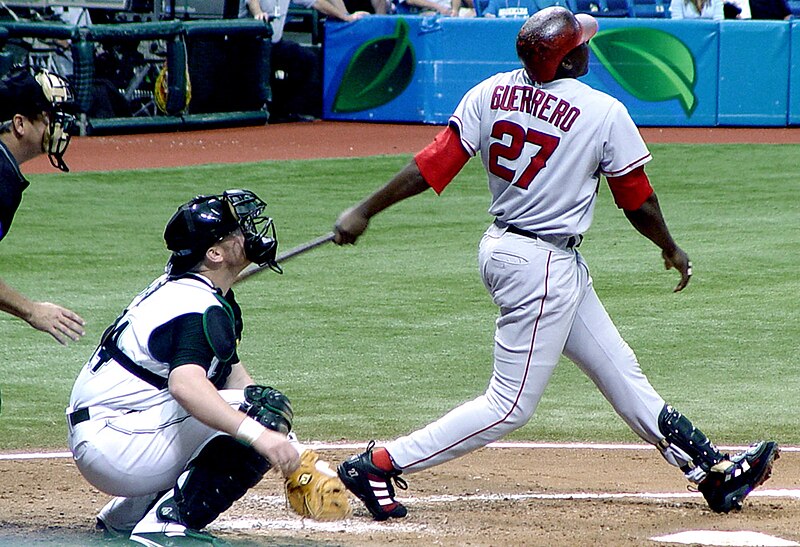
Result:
{"points": [[433, 167], [649, 221]]}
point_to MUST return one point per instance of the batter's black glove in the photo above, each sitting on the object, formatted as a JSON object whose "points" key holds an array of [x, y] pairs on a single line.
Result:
{"points": [[269, 407]]}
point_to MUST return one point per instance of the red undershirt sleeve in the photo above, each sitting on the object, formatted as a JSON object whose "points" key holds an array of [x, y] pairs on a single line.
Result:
{"points": [[441, 160], [631, 189]]}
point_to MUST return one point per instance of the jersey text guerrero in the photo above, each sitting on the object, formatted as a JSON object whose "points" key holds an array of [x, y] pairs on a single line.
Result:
{"points": [[536, 102]]}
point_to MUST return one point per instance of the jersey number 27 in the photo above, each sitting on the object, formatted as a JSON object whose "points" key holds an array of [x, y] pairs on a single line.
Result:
{"points": [[511, 152]]}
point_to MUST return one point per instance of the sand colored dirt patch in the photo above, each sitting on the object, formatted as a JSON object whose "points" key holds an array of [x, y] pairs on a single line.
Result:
{"points": [[494, 497], [315, 140]]}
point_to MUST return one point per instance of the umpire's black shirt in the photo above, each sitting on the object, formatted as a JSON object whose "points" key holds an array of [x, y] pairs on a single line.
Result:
{"points": [[12, 184]]}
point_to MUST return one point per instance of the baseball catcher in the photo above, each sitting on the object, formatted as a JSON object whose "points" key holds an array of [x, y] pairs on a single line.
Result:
{"points": [[164, 416], [315, 491]]}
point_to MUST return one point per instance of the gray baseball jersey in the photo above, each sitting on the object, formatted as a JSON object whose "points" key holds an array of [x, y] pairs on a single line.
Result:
{"points": [[544, 148]]}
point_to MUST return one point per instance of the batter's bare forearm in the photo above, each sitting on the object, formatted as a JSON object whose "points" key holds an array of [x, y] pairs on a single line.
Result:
{"points": [[649, 221], [353, 222], [408, 182]]}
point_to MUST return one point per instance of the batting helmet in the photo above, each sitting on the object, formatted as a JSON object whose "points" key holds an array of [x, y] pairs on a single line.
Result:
{"points": [[205, 220], [548, 36]]}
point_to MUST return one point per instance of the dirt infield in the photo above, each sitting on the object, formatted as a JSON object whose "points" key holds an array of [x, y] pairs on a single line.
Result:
{"points": [[570, 496], [496, 496]]}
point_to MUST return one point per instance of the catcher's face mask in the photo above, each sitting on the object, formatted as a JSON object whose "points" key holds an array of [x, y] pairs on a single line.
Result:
{"points": [[260, 239]]}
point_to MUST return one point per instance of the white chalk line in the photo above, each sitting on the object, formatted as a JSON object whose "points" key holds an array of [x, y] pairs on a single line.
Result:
{"points": [[500, 445], [741, 538], [281, 519], [279, 500]]}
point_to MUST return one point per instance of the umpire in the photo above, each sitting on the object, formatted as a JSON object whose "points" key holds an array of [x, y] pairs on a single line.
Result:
{"points": [[32, 123], [163, 415]]}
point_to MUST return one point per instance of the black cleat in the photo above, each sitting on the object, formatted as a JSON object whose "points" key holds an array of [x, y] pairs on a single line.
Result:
{"points": [[372, 485], [730, 481]]}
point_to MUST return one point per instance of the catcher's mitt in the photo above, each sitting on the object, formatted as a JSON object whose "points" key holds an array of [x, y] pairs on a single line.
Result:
{"points": [[315, 491]]}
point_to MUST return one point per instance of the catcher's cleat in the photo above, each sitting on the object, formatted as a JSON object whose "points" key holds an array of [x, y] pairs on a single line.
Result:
{"points": [[156, 531], [372, 485], [170, 534], [108, 531], [730, 481]]}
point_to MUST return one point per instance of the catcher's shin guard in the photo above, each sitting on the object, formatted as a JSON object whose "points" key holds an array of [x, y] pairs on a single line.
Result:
{"points": [[731, 480], [372, 485], [222, 473], [679, 431]]}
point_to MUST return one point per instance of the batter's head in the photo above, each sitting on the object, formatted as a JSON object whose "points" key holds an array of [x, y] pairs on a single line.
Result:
{"points": [[206, 220], [548, 36]]}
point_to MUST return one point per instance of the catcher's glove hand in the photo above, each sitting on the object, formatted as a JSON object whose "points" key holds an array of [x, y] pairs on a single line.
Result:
{"points": [[315, 491], [269, 407]]}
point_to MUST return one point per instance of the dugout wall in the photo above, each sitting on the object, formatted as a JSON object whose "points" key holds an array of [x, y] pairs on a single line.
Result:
{"points": [[212, 73]]}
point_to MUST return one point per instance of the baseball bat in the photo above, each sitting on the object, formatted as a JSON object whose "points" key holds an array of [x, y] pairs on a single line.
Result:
{"points": [[283, 257]]}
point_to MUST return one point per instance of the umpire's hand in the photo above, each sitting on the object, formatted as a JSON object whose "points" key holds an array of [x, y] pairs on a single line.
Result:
{"points": [[60, 323], [349, 226]]}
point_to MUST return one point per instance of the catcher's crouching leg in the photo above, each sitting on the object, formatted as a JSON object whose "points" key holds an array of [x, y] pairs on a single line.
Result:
{"points": [[222, 473]]}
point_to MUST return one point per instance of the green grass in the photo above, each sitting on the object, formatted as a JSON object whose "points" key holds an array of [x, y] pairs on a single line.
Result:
{"points": [[375, 340]]}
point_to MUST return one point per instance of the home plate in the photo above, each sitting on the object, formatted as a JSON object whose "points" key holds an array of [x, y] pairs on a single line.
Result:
{"points": [[714, 537]]}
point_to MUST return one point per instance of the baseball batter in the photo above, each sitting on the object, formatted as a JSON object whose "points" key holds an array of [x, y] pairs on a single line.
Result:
{"points": [[545, 139], [163, 415]]}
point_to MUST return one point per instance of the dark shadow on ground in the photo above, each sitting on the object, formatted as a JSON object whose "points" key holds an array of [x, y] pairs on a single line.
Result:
{"points": [[14, 536]]}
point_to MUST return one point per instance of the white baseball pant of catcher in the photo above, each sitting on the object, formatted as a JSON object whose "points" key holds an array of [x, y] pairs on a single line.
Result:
{"points": [[137, 455]]}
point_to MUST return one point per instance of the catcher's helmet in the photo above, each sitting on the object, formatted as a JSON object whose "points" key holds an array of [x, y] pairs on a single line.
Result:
{"points": [[548, 36], [205, 220]]}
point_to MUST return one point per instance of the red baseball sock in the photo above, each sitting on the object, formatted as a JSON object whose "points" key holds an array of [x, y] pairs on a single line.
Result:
{"points": [[382, 460]]}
